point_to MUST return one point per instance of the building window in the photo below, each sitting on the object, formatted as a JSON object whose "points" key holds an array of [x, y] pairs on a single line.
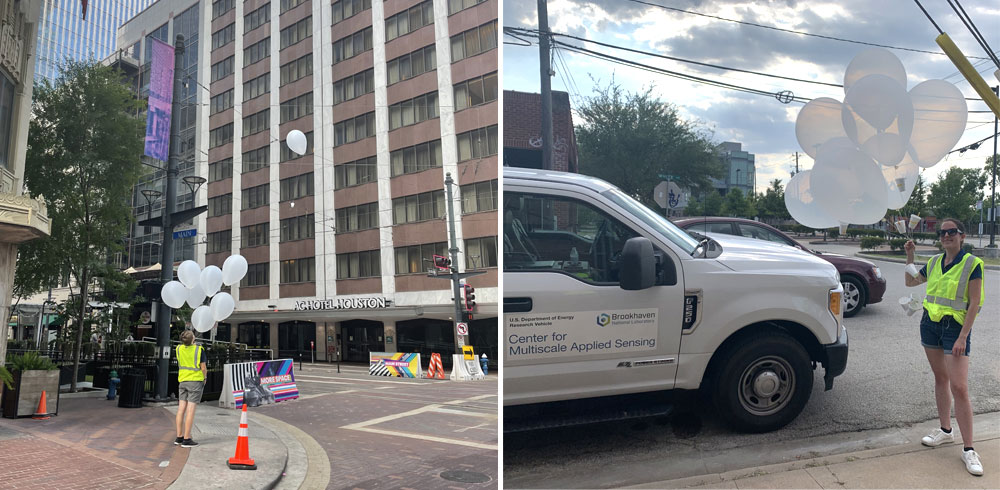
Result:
{"points": [[298, 107], [353, 45], [256, 159], [256, 275], [257, 122], [410, 20], [474, 41], [354, 129], [477, 143], [220, 136], [255, 197], [411, 260], [257, 18], [477, 91], [355, 173], [256, 52], [345, 9], [413, 111], [359, 264], [287, 154], [418, 207], [224, 36], [296, 187], [220, 7], [296, 32], [290, 4], [298, 270], [253, 235], [459, 5], [297, 228], [220, 241], [220, 206], [412, 64], [354, 86], [481, 252], [221, 102], [357, 218], [223, 68], [220, 170], [297, 69], [479, 197], [6, 120], [257, 87], [416, 158]]}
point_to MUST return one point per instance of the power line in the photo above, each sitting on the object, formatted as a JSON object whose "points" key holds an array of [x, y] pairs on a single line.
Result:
{"points": [[971, 26]]}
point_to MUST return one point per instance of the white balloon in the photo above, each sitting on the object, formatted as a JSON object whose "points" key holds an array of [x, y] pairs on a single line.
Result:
{"points": [[818, 122], [879, 101], [939, 116], [174, 294], [874, 61], [201, 319], [222, 306], [296, 141], [211, 280], [233, 269], [900, 181], [802, 206], [188, 273], [195, 296], [853, 190]]}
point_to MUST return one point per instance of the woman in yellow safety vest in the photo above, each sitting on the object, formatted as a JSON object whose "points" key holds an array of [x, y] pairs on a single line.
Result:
{"points": [[954, 296], [191, 374]]}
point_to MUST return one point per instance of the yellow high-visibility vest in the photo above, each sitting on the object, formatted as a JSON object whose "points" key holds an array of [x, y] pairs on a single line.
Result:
{"points": [[948, 293], [189, 362]]}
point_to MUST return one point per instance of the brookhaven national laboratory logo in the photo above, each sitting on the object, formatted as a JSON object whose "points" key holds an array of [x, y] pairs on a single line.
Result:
{"points": [[603, 320]]}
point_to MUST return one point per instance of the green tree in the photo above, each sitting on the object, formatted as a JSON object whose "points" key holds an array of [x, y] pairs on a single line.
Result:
{"points": [[630, 139], [918, 200], [771, 204], [737, 206], [83, 156], [709, 204], [955, 193]]}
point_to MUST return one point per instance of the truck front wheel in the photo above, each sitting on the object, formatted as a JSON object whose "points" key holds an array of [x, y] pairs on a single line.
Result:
{"points": [[764, 382]]}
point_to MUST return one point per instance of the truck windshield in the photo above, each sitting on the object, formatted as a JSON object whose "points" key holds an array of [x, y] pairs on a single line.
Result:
{"points": [[655, 221]]}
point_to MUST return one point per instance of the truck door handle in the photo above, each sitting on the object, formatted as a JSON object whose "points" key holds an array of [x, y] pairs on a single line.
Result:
{"points": [[516, 305]]}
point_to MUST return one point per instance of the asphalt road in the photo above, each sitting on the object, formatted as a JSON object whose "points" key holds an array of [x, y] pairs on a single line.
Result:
{"points": [[888, 384]]}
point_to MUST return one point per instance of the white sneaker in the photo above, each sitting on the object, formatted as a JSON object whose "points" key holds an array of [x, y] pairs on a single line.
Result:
{"points": [[972, 462], [938, 437]]}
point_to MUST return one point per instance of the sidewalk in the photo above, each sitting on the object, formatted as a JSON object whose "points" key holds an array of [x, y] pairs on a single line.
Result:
{"points": [[94, 444]]}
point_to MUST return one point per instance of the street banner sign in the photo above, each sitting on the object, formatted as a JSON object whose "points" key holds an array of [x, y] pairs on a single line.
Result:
{"points": [[161, 95], [258, 383], [398, 364]]}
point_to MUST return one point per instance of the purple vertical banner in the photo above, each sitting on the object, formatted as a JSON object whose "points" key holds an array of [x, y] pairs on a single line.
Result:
{"points": [[161, 95]]}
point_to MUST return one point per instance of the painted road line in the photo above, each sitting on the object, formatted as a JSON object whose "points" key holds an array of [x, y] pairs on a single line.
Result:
{"points": [[366, 427]]}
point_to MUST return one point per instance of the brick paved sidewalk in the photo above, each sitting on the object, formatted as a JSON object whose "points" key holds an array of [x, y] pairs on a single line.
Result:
{"points": [[91, 444]]}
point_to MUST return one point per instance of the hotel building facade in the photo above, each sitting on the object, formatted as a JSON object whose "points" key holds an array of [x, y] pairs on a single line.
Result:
{"points": [[392, 96]]}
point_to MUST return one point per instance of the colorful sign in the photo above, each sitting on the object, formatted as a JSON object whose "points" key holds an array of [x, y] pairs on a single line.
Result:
{"points": [[398, 364], [258, 383], [161, 96]]}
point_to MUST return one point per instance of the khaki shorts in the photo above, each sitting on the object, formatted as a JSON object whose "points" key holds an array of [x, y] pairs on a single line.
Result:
{"points": [[190, 391]]}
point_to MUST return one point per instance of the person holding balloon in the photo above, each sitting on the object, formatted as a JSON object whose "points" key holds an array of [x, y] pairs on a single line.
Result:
{"points": [[191, 373], [955, 294]]}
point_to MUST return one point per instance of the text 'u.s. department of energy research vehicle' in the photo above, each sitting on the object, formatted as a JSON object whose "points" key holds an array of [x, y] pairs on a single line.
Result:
{"points": [[603, 297]]}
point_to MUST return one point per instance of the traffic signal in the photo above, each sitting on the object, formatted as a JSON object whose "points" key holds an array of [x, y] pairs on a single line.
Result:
{"points": [[470, 298], [442, 262]]}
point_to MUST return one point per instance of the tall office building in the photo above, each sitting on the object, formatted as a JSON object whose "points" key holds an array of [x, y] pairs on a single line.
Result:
{"points": [[63, 32], [391, 96]]}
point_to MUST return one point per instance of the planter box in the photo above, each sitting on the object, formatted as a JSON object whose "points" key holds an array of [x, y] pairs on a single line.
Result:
{"points": [[22, 401]]}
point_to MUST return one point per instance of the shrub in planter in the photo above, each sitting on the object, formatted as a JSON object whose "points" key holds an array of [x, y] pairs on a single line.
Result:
{"points": [[871, 242], [833, 232], [31, 375], [896, 244]]}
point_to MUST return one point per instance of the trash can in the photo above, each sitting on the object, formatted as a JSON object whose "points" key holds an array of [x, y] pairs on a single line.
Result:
{"points": [[132, 388]]}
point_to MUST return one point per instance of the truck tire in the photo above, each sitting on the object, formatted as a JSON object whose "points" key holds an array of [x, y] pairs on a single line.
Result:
{"points": [[763, 383], [855, 295]]}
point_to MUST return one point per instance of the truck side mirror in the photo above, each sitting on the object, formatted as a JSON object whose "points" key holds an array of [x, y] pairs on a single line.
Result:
{"points": [[638, 267]]}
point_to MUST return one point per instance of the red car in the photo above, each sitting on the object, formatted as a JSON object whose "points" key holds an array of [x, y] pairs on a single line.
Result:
{"points": [[862, 280]]}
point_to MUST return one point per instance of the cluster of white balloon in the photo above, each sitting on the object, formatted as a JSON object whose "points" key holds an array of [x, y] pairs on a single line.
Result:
{"points": [[195, 284], [869, 149]]}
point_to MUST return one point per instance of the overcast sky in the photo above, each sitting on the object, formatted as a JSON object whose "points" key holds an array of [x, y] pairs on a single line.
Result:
{"points": [[765, 126]]}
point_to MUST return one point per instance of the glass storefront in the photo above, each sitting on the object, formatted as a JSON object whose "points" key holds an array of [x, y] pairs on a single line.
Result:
{"points": [[255, 334], [361, 337], [294, 340], [425, 336]]}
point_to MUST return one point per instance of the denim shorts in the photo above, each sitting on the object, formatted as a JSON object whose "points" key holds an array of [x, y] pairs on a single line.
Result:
{"points": [[942, 334]]}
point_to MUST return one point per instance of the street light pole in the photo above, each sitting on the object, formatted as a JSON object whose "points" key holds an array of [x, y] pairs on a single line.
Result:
{"points": [[453, 250]]}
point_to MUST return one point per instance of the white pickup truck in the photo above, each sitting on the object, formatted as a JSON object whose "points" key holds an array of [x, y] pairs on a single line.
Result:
{"points": [[603, 297]]}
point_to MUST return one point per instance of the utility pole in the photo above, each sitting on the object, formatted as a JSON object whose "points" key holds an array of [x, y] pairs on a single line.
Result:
{"points": [[796, 162], [546, 74], [993, 199]]}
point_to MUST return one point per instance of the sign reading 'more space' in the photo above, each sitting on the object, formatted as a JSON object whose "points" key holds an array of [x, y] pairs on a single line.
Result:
{"points": [[342, 304]]}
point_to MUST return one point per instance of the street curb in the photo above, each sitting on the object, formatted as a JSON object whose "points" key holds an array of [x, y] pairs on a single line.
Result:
{"points": [[317, 472], [903, 261]]}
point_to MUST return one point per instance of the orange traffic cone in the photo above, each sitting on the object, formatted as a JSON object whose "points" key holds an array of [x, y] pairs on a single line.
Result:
{"points": [[42, 413], [242, 460]]}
